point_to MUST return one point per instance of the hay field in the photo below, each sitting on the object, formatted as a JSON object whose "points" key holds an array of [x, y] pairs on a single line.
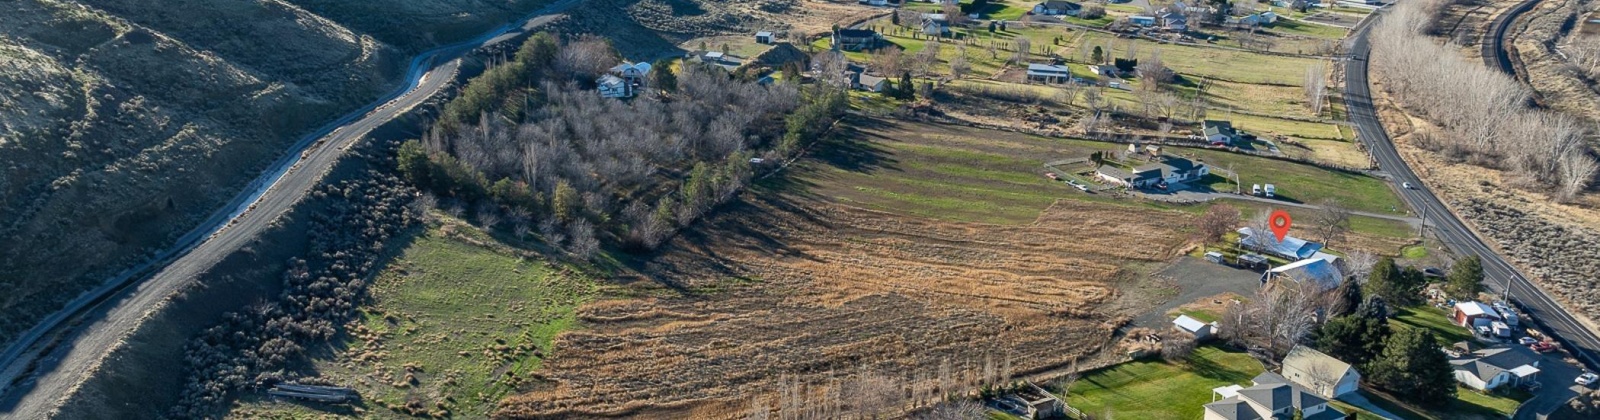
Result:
{"points": [[791, 286]]}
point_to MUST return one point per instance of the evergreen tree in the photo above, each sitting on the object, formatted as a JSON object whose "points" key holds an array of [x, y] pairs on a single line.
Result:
{"points": [[1384, 280], [1357, 338], [992, 25], [1466, 279], [1412, 367], [894, 18], [1097, 56], [414, 164], [565, 201], [906, 87], [665, 79]]}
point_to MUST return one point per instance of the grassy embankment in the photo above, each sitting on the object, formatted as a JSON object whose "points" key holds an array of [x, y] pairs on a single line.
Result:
{"points": [[465, 315]]}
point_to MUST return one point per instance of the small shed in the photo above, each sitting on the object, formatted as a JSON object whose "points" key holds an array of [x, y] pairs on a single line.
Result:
{"points": [[764, 37], [1215, 257], [1467, 313], [1200, 330]]}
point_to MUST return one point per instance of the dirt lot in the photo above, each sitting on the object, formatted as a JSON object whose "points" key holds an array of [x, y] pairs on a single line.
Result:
{"points": [[792, 286]]}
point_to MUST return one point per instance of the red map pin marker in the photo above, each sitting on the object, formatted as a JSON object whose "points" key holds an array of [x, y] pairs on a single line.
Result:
{"points": [[1279, 222]]}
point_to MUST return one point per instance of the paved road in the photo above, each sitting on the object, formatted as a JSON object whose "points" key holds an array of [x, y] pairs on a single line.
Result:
{"points": [[1493, 47], [105, 316], [1449, 229]]}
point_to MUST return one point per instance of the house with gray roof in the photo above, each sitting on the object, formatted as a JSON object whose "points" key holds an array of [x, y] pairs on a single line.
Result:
{"points": [[1049, 73], [1271, 397], [1320, 373], [1219, 133], [1165, 172], [1497, 366]]}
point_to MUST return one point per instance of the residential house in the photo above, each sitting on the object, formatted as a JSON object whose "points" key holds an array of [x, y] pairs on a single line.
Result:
{"points": [[1201, 331], [1057, 8], [764, 37], [1219, 133], [936, 24], [875, 2], [1319, 270], [611, 86], [1049, 73], [1142, 20], [1254, 19], [1272, 397], [1290, 247], [870, 83], [632, 72], [1474, 313], [856, 39], [1174, 21], [1169, 171], [1497, 366], [1320, 373], [1104, 70]]}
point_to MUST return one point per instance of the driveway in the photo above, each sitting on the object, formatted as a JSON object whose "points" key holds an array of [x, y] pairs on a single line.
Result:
{"points": [[1555, 377], [1197, 278], [1360, 401]]}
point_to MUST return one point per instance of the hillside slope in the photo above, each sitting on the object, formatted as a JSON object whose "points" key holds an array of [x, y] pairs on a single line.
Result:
{"points": [[123, 123]]}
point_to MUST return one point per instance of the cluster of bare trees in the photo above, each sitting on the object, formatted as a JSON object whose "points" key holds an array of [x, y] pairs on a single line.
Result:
{"points": [[580, 159], [320, 293], [1482, 114], [1583, 54], [1278, 317]]}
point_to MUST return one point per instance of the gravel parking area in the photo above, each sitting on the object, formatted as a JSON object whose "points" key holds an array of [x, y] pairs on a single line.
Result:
{"points": [[1197, 278]]}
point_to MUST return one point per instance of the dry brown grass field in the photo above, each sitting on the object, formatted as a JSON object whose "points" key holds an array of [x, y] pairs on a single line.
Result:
{"points": [[793, 286]]}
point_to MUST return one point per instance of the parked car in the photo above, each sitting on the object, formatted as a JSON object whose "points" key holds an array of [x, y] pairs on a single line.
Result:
{"points": [[1527, 341], [1543, 347], [1586, 379]]}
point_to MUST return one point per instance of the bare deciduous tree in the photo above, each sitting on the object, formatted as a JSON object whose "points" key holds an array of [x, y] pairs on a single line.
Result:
{"points": [[1316, 87], [1332, 221]]}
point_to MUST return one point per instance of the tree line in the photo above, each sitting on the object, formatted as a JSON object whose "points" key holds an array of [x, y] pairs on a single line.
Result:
{"points": [[1482, 114]]}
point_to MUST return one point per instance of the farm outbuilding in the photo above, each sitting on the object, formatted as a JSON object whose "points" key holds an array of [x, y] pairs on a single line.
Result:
{"points": [[1200, 330]]}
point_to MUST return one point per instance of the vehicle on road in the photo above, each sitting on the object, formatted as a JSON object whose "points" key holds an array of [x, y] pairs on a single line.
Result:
{"points": [[1586, 379], [1527, 341], [1406, 185]]}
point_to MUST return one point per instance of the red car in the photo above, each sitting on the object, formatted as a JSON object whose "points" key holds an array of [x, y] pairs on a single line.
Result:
{"points": [[1051, 175], [1543, 347]]}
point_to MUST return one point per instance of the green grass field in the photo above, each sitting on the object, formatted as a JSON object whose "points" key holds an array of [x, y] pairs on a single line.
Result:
{"points": [[1432, 318], [1304, 183], [469, 319], [1161, 390], [1231, 65]]}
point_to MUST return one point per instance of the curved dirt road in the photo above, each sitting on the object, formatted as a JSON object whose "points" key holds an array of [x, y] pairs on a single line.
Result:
{"points": [[33, 385]]}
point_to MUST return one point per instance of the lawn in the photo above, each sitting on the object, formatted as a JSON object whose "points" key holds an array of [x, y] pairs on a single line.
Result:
{"points": [[467, 320], [1432, 318], [1161, 390], [1468, 404], [1217, 63], [1298, 182]]}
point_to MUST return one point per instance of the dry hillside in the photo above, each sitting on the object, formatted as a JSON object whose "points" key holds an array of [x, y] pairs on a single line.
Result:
{"points": [[123, 123]]}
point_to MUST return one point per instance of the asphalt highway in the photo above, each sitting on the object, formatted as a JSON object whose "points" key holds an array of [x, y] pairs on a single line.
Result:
{"points": [[1533, 300], [40, 370]]}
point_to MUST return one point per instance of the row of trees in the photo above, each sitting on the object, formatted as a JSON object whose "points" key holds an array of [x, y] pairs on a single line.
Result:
{"points": [[1482, 114], [1407, 363], [320, 292]]}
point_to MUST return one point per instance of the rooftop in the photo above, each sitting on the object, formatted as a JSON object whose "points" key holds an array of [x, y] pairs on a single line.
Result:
{"points": [[1476, 308], [1188, 324]]}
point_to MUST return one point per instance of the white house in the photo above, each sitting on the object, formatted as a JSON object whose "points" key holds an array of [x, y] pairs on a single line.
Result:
{"points": [[1495, 367], [1219, 133], [1272, 397], [611, 86], [1104, 70], [1320, 373], [1200, 330], [1142, 20], [870, 83], [936, 24], [1049, 73]]}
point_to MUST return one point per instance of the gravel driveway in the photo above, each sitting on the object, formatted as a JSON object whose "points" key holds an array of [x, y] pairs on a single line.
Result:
{"points": [[1197, 278]]}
